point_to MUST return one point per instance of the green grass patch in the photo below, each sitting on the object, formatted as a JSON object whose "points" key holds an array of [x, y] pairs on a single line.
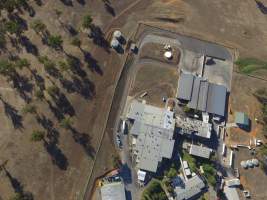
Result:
{"points": [[210, 173], [154, 191], [191, 161], [250, 65]]}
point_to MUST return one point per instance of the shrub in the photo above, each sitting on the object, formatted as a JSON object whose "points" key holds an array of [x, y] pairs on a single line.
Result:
{"points": [[87, 21], [76, 42], [55, 41], [28, 108], [116, 163], [37, 135], [66, 123], [154, 191], [52, 90], [39, 94]]}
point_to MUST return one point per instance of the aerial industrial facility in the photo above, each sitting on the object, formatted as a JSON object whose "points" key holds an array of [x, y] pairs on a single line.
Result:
{"points": [[152, 132]]}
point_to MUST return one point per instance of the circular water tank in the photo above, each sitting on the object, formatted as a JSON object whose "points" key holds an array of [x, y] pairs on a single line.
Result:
{"points": [[249, 163], [255, 162], [243, 164], [117, 34], [114, 43], [168, 54]]}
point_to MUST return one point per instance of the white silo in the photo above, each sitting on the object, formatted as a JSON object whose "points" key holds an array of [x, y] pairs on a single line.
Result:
{"points": [[168, 55], [114, 43], [249, 163], [244, 164], [255, 162], [117, 34]]}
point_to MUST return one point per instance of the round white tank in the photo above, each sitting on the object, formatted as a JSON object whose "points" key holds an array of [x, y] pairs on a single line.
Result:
{"points": [[114, 43], [249, 163], [255, 162], [243, 164], [117, 34], [168, 55]]}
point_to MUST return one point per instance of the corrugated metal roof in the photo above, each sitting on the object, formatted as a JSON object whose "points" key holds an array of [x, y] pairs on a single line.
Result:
{"points": [[202, 96], [205, 96], [241, 118], [191, 188], [113, 191], [217, 99], [185, 86], [200, 151], [194, 99]]}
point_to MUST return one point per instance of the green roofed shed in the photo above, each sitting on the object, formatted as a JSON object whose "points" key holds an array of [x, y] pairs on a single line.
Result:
{"points": [[241, 119]]}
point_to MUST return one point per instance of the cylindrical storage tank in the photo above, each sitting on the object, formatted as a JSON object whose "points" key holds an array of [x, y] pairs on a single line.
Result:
{"points": [[255, 162], [168, 55], [114, 43], [117, 34], [249, 163], [243, 164]]}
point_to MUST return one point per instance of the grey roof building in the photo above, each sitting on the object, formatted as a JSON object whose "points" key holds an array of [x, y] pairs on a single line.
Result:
{"points": [[186, 83], [202, 95], [153, 127], [191, 126], [241, 119], [200, 151], [113, 191], [190, 189]]}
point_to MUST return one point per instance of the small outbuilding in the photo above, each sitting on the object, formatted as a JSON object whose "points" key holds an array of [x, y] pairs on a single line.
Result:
{"points": [[242, 120]]}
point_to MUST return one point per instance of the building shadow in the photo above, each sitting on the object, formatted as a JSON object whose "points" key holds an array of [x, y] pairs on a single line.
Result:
{"points": [[125, 173], [128, 195]]}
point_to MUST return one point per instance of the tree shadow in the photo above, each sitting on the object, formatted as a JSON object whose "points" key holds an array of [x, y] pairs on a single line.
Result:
{"points": [[84, 87], [98, 37], [48, 125], [85, 141], [58, 158], [261, 7], [23, 86], [109, 9], [53, 71], [63, 104], [55, 111], [76, 66], [17, 186], [15, 43], [29, 46], [39, 2], [71, 30], [23, 26], [92, 63], [40, 82], [12, 113], [82, 2], [67, 2]]}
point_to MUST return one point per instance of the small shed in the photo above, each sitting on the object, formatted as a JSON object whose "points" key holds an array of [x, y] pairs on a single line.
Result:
{"points": [[141, 175], [242, 119]]}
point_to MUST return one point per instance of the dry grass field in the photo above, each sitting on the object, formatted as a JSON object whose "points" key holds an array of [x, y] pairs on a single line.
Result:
{"points": [[158, 81]]}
